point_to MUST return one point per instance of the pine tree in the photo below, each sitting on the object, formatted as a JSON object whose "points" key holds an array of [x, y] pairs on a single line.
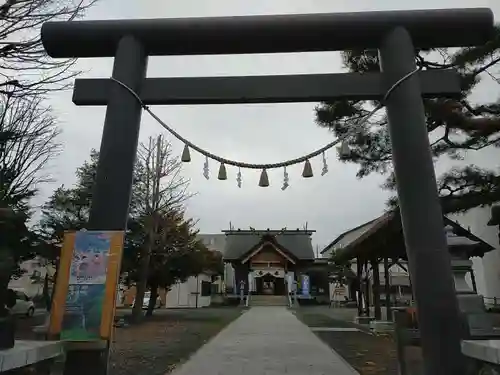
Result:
{"points": [[455, 126]]}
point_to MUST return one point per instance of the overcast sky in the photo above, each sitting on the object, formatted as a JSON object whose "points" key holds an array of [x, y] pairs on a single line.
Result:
{"points": [[253, 133]]}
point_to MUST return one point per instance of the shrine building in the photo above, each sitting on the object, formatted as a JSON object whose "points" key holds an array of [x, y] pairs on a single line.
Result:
{"points": [[268, 262]]}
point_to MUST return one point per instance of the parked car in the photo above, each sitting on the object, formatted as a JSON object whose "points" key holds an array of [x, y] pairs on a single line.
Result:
{"points": [[145, 302], [24, 305]]}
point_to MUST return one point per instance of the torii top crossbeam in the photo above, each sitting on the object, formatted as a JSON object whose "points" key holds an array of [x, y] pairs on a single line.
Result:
{"points": [[269, 34]]}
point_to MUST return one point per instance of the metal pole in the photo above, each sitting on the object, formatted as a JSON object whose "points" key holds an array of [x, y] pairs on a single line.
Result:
{"points": [[421, 216], [112, 191]]}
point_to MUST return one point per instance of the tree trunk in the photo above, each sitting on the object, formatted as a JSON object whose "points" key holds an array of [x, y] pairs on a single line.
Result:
{"points": [[54, 283], [45, 292], [141, 284], [152, 300]]}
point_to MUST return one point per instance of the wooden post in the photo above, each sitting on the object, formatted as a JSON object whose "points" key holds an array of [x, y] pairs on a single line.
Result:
{"points": [[359, 272], [387, 287], [367, 288], [473, 280], [376, 289]]}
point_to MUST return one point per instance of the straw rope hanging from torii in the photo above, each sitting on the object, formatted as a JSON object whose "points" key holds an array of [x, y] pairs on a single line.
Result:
{"points": [[264, 179]]}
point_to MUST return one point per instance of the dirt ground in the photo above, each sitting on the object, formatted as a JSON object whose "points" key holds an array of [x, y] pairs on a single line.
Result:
{"points": [[24, 326], [368, 354], [157, 345]]}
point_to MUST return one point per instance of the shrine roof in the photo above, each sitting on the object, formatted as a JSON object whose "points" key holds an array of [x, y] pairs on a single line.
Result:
{"points": [[383, 237], [296, 242]]}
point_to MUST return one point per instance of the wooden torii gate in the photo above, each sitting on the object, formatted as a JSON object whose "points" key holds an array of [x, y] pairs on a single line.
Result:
{"points": [[395, 34]]}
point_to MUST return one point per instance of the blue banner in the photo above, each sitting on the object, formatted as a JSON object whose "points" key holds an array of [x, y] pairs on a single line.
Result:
{"points": [[305, 285]]}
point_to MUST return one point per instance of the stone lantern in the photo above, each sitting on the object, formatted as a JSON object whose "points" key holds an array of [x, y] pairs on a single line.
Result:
{"points": [[460, 248], [477, 322]]}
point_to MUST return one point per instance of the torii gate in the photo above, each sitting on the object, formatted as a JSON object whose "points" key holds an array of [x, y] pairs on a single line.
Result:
{"points": [[396, 34]]}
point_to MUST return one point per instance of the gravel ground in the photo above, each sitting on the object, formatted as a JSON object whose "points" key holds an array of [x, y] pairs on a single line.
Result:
{"points": [[162, 342]]}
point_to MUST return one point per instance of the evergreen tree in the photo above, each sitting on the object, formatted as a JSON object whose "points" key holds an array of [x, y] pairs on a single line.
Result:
{"points": [[68, 208], [455, 126]]}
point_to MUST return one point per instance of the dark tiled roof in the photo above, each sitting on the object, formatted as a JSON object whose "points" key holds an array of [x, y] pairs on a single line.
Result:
{"points": [[296, 243], [352, 234], [477, 247]]}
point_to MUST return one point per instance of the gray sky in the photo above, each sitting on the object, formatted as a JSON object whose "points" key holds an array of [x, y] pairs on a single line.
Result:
{"points": [[253, 133]]}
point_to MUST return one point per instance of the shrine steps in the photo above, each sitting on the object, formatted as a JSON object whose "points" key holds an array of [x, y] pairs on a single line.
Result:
{"points": [[262, 300]]}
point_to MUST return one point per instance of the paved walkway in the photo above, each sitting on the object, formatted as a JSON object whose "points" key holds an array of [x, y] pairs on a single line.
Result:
{"points": [[266, 341]]}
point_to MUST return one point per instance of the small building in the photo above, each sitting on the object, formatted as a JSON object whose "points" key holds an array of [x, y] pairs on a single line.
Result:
{"points": [[31, 280], [195, 292], [382, 241], [268, 262], [399, 277], [217, 242]]}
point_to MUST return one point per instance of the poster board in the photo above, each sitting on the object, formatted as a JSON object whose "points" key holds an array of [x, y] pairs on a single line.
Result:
{"points": [[83, 307]]}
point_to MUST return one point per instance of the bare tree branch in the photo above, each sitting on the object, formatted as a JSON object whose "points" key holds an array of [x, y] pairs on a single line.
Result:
{"points": [[28, 131], [161, 187], [24, 65]]}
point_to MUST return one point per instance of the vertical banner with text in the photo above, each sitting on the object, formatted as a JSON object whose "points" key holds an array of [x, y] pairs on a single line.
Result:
{"points": [[84, 300], [305, 287]]}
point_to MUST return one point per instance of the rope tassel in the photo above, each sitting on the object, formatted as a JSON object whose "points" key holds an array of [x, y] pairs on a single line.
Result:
{"points": [[307, 172], [186, 155], [264, 179], [222, 172], [344, 150]]}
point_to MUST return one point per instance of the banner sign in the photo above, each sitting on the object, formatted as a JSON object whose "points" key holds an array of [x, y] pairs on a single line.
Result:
{"points": [[305, 285], [289, 279], [85, 296]]}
